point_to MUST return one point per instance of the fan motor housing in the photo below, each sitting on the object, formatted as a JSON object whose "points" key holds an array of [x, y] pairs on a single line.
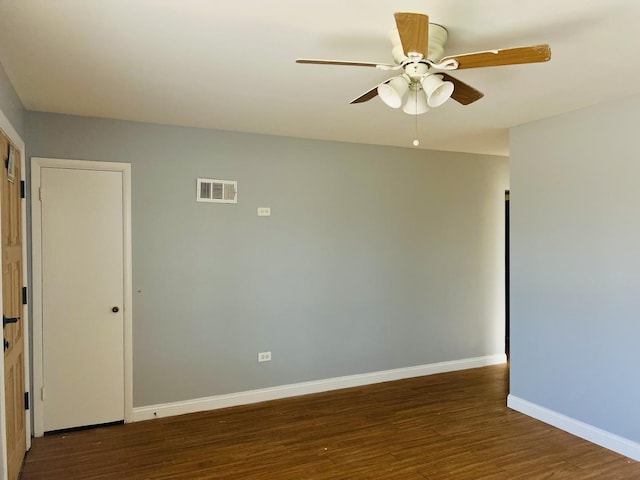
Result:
{"points": [[416, 71], [437, 38]]}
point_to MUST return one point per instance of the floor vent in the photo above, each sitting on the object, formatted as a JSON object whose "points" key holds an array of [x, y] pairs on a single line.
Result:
{"points": [[217, 191]]}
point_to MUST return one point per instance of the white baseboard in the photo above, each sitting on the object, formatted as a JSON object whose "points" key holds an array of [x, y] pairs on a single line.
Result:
{"points": [[580, 429], [284, 391]]}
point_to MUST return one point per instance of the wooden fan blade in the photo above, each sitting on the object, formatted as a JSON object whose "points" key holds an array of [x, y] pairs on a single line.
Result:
{"points": [[365, 97], [414, 32], [342, 62], [462, 93], [507, 56]]}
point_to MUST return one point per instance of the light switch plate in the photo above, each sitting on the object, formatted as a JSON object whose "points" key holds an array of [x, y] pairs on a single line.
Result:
{"points": [[264, 357], [264, 211]]}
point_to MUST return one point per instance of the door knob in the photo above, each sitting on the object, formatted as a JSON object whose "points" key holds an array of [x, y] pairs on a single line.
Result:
{"points": [[115, 309], [7, 320]]}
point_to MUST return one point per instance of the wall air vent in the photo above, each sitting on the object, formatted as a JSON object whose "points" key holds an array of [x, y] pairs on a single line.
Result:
{"points": [[216, 191]]}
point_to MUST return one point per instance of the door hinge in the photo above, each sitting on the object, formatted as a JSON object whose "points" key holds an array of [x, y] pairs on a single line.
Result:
{"points": [[24, 295], [23, 189], [42, 394], [40, 193], [26, 400]]}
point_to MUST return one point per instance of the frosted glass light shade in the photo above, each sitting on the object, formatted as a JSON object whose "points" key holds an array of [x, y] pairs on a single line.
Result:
{"points": [[394, 92], [437, 90], [416, 103]]}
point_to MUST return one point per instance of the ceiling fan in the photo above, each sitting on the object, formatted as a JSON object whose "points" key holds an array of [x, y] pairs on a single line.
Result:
{"points": [[418, 51]]}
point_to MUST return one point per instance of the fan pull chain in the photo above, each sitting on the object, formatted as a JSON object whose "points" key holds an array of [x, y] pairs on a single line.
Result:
{"points": [[416, 142]]}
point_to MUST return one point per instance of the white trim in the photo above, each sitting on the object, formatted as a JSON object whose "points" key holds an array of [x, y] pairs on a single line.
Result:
{"points": [[293, 390], [36, 165], [605, 439], [14, 137], [26, 314]]}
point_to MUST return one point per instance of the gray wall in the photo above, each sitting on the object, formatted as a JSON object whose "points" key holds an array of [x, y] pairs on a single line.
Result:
{"points": [[374, 258], [10, 104], [575, 265]]}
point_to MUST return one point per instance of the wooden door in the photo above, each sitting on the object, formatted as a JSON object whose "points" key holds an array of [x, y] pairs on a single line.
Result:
{"points": [[82, 244], [12, 309]]}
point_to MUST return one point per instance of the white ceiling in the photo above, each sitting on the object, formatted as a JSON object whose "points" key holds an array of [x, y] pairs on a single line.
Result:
{"points": [[229, 65]]}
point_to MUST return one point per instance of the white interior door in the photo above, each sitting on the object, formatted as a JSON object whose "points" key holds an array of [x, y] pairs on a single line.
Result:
{"points": [[82, 297]]}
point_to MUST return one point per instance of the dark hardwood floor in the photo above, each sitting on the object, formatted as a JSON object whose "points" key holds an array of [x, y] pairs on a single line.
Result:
{"points": [[448, 426]]}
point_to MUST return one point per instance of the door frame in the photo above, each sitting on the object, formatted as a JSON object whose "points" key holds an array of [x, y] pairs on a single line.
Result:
{"points": [[507, 276], [10, 132], [37, 163]]}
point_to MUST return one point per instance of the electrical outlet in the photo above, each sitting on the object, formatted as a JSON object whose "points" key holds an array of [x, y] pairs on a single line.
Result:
{"points": [[264, 357], [264, 211]]}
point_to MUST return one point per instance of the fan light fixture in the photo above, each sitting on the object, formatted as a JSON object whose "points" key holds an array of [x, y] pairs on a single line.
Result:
{"points": [[415, 95], [394, 91], [416, 103], [437, 90]]}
